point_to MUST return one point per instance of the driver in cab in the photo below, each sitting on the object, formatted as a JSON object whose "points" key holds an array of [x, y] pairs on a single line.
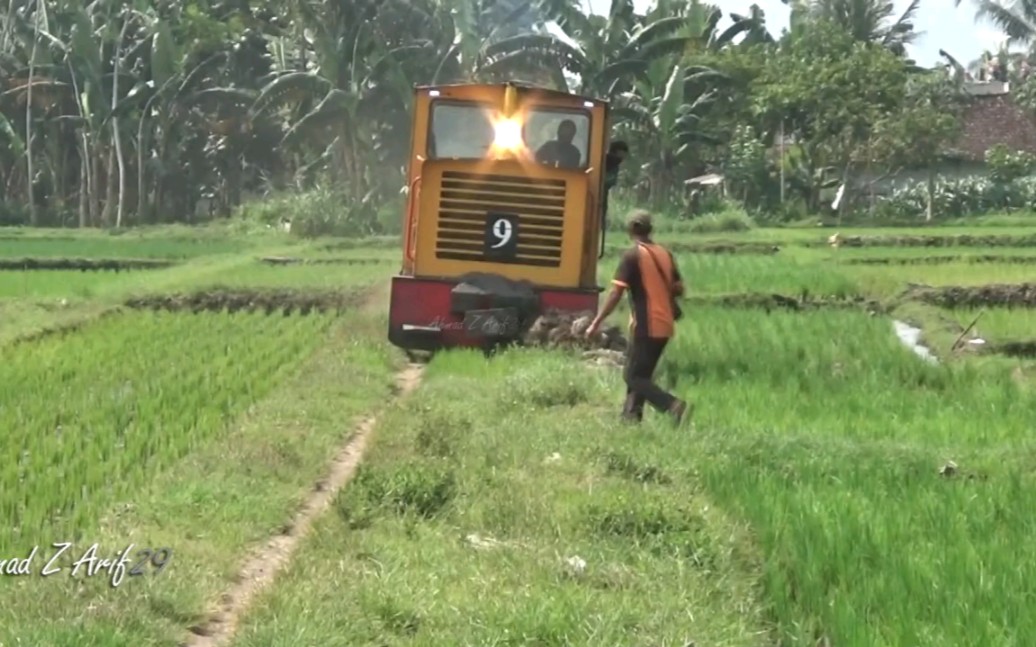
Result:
{"points": [[561, 152]]}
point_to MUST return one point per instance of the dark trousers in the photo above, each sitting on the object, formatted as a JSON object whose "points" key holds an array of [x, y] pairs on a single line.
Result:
{"points": [[641, 360]]}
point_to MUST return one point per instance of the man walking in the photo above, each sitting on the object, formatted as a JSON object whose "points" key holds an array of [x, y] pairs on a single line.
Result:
{"points": [[650, 274]]}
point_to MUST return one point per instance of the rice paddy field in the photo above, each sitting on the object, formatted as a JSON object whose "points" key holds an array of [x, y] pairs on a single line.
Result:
{"points": [[835, 488]]}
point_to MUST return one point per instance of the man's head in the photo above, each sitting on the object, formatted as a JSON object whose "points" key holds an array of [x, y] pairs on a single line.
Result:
{"points": [[619, 150], [566, 131], [638, 224]]}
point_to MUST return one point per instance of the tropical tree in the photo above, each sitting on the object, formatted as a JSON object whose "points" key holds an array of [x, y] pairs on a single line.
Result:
{"points": [[869, 21]]}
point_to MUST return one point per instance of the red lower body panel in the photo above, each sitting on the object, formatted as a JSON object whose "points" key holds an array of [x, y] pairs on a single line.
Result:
{"points": [[420, 316]]}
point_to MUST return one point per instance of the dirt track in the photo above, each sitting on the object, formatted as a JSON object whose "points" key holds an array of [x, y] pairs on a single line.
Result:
{"points": [[262, 567], [83, 264], [268, 301]]}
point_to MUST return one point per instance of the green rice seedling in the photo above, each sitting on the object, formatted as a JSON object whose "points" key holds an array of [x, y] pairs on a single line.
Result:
{"points": [[237, 485], [298, 276], [867, 544], [537, 544], [965, 253], [998, 324], [890, 280], [127, 396], [50, 283], [827, 435], [835, 371], [119, 247], [712, 274]]}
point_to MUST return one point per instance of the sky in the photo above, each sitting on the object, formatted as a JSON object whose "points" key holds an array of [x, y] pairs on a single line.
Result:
{"points": [[942, 25]]}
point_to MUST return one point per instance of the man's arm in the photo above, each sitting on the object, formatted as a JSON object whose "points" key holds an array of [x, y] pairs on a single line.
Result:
{"points": [[544, 154], [609, 306], [620, 284]]}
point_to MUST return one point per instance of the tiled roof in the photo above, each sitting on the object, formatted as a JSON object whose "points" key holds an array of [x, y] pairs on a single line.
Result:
{"points": [[992, 119]]}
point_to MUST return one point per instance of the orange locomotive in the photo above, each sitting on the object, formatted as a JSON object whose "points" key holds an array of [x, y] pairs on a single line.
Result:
{"points": [[503, 217]]}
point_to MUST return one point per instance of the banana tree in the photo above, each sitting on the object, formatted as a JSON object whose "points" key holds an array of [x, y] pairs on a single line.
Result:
{"points": [[605, 55], [670, 125]]}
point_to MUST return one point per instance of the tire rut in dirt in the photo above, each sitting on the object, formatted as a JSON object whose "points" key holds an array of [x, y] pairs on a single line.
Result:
{"points": [[285, 302], [259, 571]]}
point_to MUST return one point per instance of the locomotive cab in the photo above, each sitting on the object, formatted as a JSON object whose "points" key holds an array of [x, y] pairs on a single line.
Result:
{"points": [[503, 218]]}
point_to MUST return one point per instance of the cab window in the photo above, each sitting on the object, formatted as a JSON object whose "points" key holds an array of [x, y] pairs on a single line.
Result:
{"points": [[460, 130], [544, 126]]}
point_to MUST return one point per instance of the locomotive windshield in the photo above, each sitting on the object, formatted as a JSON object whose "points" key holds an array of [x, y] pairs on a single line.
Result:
{"points": [[467, 131]]}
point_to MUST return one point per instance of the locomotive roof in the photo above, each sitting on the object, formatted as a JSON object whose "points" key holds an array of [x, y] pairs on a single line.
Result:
{"points": [[537, 89]]}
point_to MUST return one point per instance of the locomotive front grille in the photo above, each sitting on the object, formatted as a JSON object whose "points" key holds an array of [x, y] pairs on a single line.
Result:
{"points": [[469, 203]]}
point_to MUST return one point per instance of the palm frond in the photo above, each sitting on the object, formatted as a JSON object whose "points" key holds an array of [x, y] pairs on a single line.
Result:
{"points": [[1019, 26], [289, 89]]}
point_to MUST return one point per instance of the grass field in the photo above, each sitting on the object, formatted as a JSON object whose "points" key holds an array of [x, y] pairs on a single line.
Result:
{"points": [[834, 486]]}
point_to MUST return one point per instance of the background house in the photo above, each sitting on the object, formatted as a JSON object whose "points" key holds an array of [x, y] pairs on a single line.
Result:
{"points": [[992, 117]]}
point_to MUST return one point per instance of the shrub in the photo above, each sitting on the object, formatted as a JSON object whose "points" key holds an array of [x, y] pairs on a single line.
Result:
{"points": [[724, 221], [322, 211], [953, 198]]}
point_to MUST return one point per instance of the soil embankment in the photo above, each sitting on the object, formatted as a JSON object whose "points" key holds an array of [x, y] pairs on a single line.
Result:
{"points": [[84, 264], [268, 301]]}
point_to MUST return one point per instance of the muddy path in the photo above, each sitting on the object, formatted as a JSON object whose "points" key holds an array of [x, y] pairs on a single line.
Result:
{"points": [[260, 570], [291, 260], [84, 264], [958, 240], [1016, 295], [941, 260], [244, 300]]}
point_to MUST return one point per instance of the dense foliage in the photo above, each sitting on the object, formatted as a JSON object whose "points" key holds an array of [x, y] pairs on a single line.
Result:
{"points": [[115, 113]]}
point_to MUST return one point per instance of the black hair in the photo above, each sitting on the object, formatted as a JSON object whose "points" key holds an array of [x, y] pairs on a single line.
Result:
{"points": [[640, 229], [618, 146]]}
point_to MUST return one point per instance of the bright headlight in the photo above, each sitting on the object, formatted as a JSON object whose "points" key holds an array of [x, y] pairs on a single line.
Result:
{"points": [[507, 134]]}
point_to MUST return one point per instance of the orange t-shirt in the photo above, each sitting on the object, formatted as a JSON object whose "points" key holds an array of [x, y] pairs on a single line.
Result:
{"points": [[648, 271]]}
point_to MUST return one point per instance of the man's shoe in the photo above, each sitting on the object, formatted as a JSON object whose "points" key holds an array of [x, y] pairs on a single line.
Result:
{"points": [[681, 410]]}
